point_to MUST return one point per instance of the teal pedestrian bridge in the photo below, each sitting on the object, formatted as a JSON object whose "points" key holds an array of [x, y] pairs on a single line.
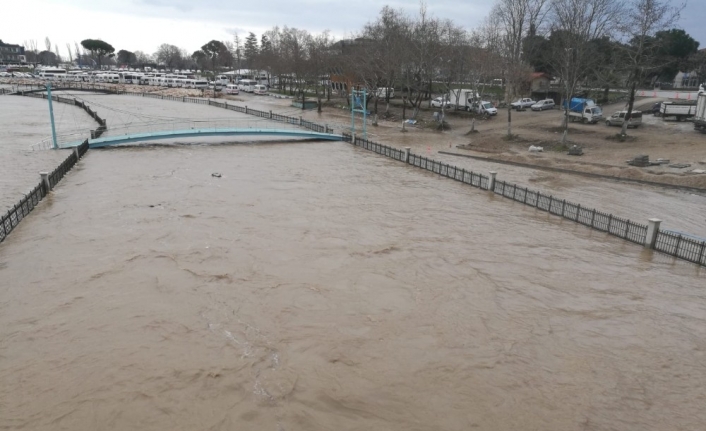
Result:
{"points": [[202, 133], [144, 132]]}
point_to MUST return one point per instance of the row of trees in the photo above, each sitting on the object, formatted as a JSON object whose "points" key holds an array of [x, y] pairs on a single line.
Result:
{"points": [[583, 43], [591, 43]]}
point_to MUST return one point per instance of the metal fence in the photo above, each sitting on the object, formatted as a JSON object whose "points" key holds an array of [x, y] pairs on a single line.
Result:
{"points": [[102, 123], [10, 220], [681, 246], [590, 217], [675, 244]]}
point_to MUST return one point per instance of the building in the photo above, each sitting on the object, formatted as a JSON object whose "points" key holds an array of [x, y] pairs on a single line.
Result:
{"points": [[539, 82], [686, 80], [12, 54]]}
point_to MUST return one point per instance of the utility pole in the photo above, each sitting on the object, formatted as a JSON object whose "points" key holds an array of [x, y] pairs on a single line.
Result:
{"points": [[51, 117]]}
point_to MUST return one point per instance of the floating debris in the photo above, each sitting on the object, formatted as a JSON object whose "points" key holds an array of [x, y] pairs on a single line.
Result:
{"points": [[216, 174]]}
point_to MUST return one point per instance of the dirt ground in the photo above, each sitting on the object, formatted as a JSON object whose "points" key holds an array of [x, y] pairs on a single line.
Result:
{"points": [[603, 153]]}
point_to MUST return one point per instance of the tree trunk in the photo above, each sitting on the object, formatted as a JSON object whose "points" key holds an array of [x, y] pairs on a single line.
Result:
{"points": [[631, 102], [509, 120], [318, 99]]}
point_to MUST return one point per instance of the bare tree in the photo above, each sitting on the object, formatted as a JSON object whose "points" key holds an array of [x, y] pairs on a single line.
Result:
{"points": [[58, 55], [516, 18], [643, 18], [47, 43], [78, 53], [384, 47], [294, 52], [68, 49], [319, 61], [169, 55], [426, 46], [574, 24], [31, 51], [273, 60], [238, 51]]}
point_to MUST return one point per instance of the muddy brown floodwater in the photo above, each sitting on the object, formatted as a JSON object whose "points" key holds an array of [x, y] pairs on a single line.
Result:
{"points": [[317, 286]]}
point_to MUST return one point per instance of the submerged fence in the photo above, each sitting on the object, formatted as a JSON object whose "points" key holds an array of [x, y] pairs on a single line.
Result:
{"points": [[102, 123], [675, 244], [10, 220], [184, 99]]}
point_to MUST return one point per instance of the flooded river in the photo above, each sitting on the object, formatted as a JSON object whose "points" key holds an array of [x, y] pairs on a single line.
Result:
{"points": [[317, 286]]}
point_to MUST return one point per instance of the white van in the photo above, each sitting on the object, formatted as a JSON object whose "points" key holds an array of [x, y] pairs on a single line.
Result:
{"points": [[260, 89], [232, 89], [222, 79], [247, 85], [200, 83], [618, 118]]}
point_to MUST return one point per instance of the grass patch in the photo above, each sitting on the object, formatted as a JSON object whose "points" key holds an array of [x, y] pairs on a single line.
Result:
{"points": [[510, 138]]}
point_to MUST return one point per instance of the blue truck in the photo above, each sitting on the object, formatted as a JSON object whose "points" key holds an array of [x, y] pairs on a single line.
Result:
{"points": [[584, 110]]}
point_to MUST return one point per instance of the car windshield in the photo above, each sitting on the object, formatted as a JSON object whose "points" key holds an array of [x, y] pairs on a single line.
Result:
{"points": [[596, 110], [487, 105]]}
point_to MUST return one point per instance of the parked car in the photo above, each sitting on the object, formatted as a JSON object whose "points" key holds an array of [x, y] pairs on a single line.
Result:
{"points": [[543, 104], [484, 107], [523, 103], [618, 118], [436, 103], [232, 89]]}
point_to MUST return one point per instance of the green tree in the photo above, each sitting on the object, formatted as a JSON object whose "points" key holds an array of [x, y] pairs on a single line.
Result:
{"points": [[251, 49], [126, 57], [214, 51], [99, 49], [673, 49]]}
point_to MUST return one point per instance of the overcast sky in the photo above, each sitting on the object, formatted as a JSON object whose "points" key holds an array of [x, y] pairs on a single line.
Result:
{"points": [[145, 24]]}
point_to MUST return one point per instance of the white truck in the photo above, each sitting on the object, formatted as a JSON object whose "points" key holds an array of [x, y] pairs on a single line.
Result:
{"points": [[462, 98], [700, 114], [681, 111]]}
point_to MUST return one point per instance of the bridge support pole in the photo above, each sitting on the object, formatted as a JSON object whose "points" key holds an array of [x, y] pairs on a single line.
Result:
{"points": [[652, 231], [51, 117]]}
